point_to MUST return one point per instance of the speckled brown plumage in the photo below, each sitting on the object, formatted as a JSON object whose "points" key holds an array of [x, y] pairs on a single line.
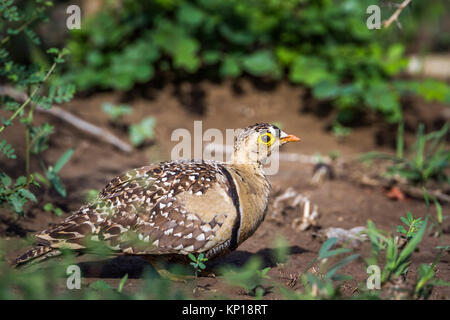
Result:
{"points": [[170, 208]]}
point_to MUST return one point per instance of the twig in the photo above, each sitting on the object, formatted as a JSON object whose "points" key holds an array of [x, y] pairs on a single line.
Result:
{"points": [[396, 14], [87, 127], [411, 191], [71, 119]]}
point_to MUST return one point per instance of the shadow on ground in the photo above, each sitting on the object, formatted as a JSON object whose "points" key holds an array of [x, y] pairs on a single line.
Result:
{"points": [[135, 266]]}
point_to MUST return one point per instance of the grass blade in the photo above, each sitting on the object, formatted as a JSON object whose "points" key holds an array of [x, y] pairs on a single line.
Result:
{"points": [[400, 145]]}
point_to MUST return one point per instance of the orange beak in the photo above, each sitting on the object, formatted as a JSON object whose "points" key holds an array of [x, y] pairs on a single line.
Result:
{"points": [[290, 138]]}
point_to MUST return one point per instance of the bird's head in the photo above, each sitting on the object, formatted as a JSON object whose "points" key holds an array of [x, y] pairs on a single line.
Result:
{"points": [[255, 143]]}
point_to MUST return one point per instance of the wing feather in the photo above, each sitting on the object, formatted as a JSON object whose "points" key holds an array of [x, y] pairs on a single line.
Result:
{"points": [[145, 211]]}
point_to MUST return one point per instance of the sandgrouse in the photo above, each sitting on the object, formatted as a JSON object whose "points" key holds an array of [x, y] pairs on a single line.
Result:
{"points": [[174, 208]]}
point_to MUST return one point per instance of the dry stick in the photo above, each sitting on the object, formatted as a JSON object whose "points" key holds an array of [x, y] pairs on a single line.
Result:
{"points": [[397, 12], [411, 191], [87, 127], [71, 119]]}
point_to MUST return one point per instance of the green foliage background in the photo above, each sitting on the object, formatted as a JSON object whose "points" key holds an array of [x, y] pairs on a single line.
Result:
{"points": [[321, 44]]}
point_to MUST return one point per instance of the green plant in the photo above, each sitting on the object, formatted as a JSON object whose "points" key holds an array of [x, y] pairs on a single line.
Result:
{"points": [[413, 224], [101, 285], [250, 277], [317, 44], [397, 262], [324, 282], [280, 253], [24, 88], [7, 150], [52, 173], [339, 131], [39, 138], [198, 263], [91, 195], [116, 112], [16, 195], [428, 158], [142, 131], [426, 279], [49, 207]]}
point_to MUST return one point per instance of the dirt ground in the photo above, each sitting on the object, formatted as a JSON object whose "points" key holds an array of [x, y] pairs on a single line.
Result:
{"points": [[341, 202]]}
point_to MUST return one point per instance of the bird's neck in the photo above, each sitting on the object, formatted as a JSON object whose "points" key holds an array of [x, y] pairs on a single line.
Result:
{"points": [[243, 157]]}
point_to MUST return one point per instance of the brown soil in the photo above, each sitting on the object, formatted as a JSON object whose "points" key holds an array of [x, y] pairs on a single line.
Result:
{"points": [[341, 202]]}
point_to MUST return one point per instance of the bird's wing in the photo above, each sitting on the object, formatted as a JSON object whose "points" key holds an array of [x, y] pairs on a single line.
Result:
{"points": [[172, 207]]}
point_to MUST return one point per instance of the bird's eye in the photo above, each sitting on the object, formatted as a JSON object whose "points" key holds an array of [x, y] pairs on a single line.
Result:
{"points": [[265, 138]]}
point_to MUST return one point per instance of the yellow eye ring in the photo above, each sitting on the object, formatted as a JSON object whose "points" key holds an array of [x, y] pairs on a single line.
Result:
{"points": [[265, 138]]}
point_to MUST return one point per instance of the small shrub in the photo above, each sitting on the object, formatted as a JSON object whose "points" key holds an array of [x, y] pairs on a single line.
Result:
{"points": [[35, 80], [142, 131], [427, 159]]}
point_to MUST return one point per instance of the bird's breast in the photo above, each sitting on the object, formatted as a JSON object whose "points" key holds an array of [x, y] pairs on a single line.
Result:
{"points": [[253, 190]]}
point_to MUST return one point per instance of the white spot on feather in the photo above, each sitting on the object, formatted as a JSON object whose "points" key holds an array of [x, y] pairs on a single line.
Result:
{"points": [[200, 237]]}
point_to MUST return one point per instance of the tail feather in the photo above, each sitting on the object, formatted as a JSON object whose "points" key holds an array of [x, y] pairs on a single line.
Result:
{"points": [[35, 254]]}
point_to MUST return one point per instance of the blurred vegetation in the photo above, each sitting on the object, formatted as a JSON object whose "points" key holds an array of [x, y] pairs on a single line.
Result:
{"points": [[323, 45], [38, 283], [323, 278], [427, 159], [32, 82]]}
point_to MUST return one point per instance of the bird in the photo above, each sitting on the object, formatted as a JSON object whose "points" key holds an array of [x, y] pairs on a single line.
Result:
{"points": [[173, 208]]}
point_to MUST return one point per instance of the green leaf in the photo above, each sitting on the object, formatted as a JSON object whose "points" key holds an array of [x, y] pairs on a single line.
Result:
{"points": [[310, 71], [335, 268], [142, 131], [192, 257], [230, 67], [62, 160], [7, 150], [27, 194], [57, 184], [5, 179], [178, 44], [190, 16], [327, 246], [261, 63], [438, 211], [16, 202], [326, 90], [100, 285], [122, 283], [21, 181], [413, 243], [324, 251], [211, 56], [48, 207], [238, 37], [401, 229], [116, 112], [400, 147]]}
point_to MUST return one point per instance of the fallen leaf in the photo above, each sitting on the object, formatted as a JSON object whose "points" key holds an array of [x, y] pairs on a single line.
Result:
{"points": [[396, 194]]}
